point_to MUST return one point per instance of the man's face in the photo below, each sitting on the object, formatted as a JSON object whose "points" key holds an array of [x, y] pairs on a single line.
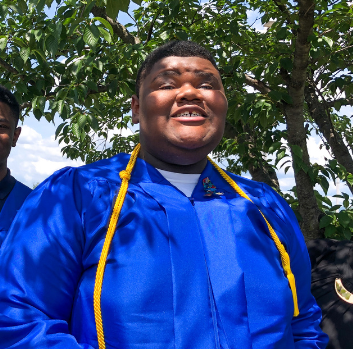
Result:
{"points": [[9, 134], [181, 110]]}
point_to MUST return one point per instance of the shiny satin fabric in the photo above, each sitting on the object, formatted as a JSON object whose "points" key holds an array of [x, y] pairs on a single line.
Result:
{"points": [[12, 204], [196, 273]]}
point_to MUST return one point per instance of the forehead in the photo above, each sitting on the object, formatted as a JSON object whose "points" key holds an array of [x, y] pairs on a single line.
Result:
{"points": [[5, 111], [5, 114], [180, 65]]}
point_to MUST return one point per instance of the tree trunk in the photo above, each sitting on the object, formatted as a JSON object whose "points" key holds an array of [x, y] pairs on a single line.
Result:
{"points": [[322, 119], [259, 169], [294, 113]]}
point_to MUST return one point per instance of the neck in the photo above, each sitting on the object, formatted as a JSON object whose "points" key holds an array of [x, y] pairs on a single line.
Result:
{"points": [[197, 167], [3, 170]]}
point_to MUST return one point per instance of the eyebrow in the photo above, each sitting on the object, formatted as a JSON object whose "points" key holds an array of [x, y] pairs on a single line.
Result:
{"points": [[176, 72], [4, 120]]}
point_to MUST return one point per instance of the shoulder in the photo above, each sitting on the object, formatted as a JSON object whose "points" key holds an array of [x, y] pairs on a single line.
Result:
{"points": [[274, 207], [263, 195], [106, 169], [23, 188]]}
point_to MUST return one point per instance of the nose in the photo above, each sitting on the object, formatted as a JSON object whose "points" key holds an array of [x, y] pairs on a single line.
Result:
{"points": [[188, 92]]}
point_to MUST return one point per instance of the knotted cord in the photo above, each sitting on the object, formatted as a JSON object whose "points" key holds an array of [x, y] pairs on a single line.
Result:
{"points": [[125, 176], [282, 251]]}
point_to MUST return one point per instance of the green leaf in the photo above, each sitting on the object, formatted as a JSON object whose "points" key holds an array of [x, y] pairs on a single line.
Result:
{"points": [[325, 221], [138, 2], [76, 130], [41, 103], [274, 147], [286, 63], [51, 43], [58, 129], [112, 88], [329, 231], [275, 95], [350, 179], [94, 123], [58, 30], [40, 5], [324, 184], [3, 42], [337, 105], [82, 120], [24, 53], [347, 233], [343, 218], [114, 6], [164, 35], [328, 40], [88, 8], [105, 35], [105, 23], [92, 85], [37, 114], [282, 34], [91, 35], [181, 35], [297, 151], [280, 155]]}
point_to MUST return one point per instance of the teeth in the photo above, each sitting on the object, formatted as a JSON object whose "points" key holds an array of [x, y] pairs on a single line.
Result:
{"points": [[188, 114]]}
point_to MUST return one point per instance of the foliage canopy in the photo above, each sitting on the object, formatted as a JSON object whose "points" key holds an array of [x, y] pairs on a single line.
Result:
{"points": [[80, 62]]}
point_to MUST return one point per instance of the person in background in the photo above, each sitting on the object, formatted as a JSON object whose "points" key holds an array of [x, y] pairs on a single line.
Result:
{"points": [[332, 287], [12, 192], [159, 249]]}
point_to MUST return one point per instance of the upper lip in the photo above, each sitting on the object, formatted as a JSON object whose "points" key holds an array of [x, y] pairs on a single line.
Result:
{"points": [[190, 109]]}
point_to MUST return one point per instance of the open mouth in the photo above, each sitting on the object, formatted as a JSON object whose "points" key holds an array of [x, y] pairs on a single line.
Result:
{"points": [[189, 115]]}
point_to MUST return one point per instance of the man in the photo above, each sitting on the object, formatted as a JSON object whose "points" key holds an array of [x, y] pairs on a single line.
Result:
{"points": [[192, 264], [12, 192], [332, 287]]}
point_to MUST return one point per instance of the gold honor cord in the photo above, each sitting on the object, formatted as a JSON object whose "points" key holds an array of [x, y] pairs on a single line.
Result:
{"points": [[282, 251], [125, 176]]}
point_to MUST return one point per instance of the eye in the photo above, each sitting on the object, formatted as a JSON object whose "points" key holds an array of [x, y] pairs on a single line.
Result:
{"points": [[206, 87], [166, 87]]}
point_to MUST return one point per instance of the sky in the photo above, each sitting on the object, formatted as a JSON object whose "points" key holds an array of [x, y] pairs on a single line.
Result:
{"points": [[37, 154]]}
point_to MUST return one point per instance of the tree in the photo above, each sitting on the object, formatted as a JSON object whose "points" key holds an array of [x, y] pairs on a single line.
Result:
{"points": [[81, 62]]}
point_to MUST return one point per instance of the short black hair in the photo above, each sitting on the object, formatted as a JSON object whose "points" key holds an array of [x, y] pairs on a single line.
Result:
{"points": [[172, 48], [8, 98]]}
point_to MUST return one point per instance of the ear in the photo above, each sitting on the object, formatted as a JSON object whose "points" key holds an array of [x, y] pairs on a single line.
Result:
{"points": [[16, 134], [135, 107]]}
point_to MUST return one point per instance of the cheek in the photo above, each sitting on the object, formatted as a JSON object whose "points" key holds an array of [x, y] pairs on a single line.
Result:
{"points": [[158, 103]]}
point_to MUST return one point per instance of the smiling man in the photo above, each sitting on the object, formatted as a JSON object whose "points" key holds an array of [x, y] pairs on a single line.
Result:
{"points": [[12, 192], [161, 248]]}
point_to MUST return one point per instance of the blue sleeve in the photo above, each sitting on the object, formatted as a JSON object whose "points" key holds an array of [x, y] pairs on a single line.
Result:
{"points": [[306, 326], [40, 267]]}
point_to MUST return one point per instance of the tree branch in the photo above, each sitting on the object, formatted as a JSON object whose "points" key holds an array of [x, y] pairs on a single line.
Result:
{"points": [[150, 30], [342, 101], [118, 28], [321, 115], [259, 168], [257, 84], [10, 68], [283, 8], [14, 71]]}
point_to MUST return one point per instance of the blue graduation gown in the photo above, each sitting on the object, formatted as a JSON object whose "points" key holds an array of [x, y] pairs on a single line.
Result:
{"points": [[199, 273], [12, 204]]}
